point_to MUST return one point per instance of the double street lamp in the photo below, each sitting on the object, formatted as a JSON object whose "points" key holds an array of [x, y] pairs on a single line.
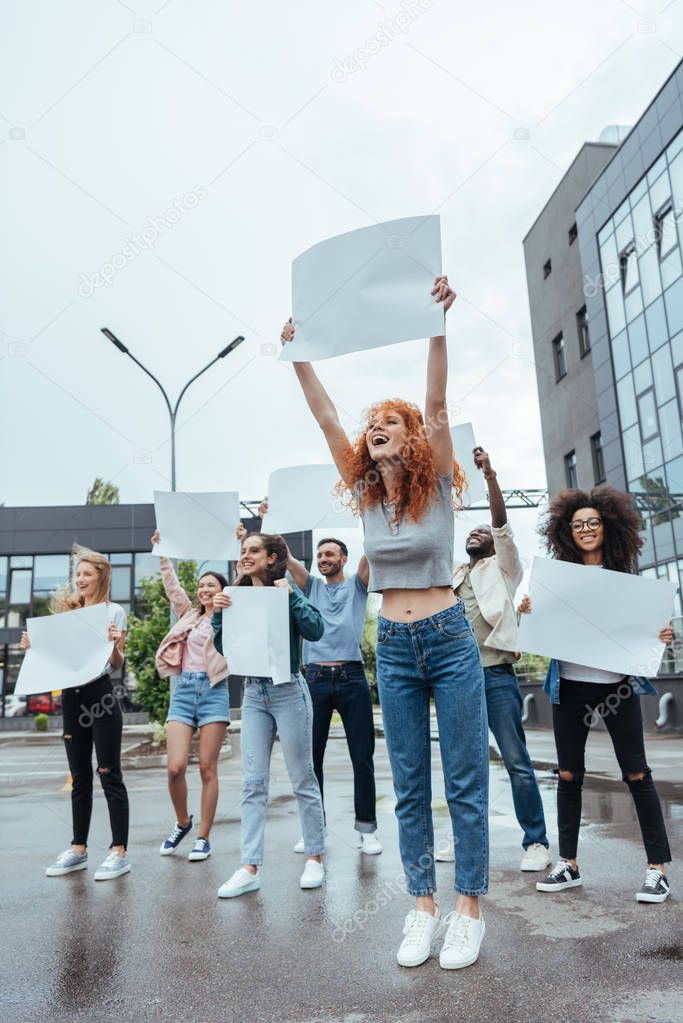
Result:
{"points": [[172, 409]]}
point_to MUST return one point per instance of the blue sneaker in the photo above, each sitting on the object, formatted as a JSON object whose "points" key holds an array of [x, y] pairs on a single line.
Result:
{"points": [[170, 844], [113, 866], [66, 863], [201, 850]]}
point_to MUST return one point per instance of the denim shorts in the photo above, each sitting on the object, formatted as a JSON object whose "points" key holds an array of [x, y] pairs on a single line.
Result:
{"points": [[195, 702]]}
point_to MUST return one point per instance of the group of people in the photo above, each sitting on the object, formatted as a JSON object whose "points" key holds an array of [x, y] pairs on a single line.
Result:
{"points": [[446, 631]]}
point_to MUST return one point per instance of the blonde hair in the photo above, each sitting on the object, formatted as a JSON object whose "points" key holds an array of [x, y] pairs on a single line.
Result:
{"points": [[66, 597]]}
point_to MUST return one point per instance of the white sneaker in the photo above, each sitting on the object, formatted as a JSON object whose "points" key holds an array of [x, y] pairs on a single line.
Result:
{"points": [[420, 929], [242, 881], [536, 857], [300, 847], [462, 942], [444, 852], [113, 866], [313, 875], [370, 844]]}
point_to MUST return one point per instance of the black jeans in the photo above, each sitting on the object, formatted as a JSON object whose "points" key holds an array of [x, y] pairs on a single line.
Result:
{"points": [[92, 716], [344, 688], [619, 707]]}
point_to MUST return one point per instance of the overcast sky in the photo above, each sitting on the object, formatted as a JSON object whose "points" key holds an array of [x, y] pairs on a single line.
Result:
{"points": [[270, 127]]}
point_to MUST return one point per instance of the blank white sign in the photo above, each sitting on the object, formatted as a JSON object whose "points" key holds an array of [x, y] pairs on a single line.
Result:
{"points": [[463, 446], [256, 632], [366, 289], [304, 497], [198, 526], [67, 650], [595, 617]]}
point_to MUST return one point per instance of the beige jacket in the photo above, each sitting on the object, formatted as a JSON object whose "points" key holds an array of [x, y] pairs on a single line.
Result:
{"points": [[169, 656], [494, 581]]}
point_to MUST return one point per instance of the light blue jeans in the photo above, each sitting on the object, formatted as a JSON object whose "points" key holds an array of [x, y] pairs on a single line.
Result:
{"points": [[436, 655], [285, 710]]}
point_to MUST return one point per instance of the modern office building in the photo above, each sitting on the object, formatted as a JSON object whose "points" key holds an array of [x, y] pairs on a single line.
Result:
{"points": [[34, 560], [611, 389]]}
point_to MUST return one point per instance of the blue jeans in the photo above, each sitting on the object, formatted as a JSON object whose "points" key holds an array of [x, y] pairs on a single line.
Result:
{"points": [[440, 655], [345, 688], [284, 709], [195, 702], [504, 705]]}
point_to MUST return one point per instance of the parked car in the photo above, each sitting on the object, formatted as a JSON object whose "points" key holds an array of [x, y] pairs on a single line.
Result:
{"points": [[45, 703], [15, 707]]}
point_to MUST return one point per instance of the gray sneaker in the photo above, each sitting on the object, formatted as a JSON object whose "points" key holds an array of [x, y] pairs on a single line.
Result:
{"points": [[113, 866], [66, 863]]}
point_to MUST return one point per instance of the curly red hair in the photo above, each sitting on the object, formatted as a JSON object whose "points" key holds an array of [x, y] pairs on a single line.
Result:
{"points": [[418, 482]]}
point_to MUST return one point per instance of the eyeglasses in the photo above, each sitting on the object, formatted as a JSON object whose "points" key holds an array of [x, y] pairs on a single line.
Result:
{"points": [[592, 524]]}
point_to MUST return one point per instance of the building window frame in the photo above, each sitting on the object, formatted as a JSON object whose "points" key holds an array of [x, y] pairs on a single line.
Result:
{"points": [[547, 269], [583, 332], [559, 357], [659, 219], [570, 470], [651, 436], [628, 259], [573, 233], [599, 475]]}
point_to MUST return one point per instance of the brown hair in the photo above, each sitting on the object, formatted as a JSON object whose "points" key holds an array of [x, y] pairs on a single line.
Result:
{"points": [[274, 544], [621, 523], [66, 598]]}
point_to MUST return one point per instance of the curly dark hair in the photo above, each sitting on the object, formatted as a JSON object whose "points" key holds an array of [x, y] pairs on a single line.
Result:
{"points": [[274, 544], [620, 519]]}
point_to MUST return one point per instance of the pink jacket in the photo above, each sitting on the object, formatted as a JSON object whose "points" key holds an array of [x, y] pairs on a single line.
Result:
{"points": [[169, 658]]}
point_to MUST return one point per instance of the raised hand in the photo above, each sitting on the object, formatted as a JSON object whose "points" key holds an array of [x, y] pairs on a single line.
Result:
{"points": [[157, 537], [221, 600], [263, 508], [666, 635], [283, 584], [240, 531], [287, 333], [25, 642], [525, 605], [442, 292], [482, 460]]}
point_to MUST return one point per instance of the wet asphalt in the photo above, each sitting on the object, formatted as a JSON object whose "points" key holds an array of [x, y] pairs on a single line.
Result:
{"points": [[157, 945]]}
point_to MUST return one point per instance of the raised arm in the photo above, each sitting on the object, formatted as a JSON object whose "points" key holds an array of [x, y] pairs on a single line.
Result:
{"points": [[364, 571], [499, 515], [297, 570], [174, 591], [436, 411], [321, 405]]}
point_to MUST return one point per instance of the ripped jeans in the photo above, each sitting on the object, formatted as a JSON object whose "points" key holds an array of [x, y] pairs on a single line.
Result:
{"points": [[284, 709], [92, 716]]}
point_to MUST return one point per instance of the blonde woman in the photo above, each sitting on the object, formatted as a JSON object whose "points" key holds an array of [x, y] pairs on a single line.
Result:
{"points": [[92, 717]]}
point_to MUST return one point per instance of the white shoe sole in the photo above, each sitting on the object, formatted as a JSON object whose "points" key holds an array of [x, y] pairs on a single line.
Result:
{"points": [[60, 871], [234, 893], [535, 867], [467, 962], [542, 887], [166, 852], [444, 859], [195, 857], [371, 852], [651, 898], [318, 883], [298, 848], [111, 875]]}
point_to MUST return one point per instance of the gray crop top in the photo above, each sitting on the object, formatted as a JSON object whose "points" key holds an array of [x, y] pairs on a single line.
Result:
{"points": [[411, 555]]}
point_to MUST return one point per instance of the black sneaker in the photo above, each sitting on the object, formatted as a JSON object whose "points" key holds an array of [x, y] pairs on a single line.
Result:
{"points": [[655, 887], [561, 876]]}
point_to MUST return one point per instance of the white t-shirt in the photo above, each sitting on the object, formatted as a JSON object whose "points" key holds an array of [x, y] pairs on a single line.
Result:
{"points": [[580, 673], [117, 617]]}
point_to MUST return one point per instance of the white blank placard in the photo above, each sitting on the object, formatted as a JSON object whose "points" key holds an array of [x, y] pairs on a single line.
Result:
{"points": [[197, 525], [67, 650], [595, 617], [365, 289], [256, 632], [463, 446], [304, 497]]}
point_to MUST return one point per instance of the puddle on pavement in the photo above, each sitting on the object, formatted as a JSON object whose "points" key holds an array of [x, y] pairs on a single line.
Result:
{"points": [[669, 953]]}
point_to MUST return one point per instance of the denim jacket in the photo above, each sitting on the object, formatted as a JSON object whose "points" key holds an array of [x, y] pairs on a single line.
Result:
{"points": [[641, 686]]}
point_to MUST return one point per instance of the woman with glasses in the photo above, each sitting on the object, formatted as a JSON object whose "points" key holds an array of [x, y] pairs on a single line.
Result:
{"points": [[600, 528]]}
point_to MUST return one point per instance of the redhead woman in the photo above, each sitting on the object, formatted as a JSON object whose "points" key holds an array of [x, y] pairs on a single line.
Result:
{"points": [[400, 474]]}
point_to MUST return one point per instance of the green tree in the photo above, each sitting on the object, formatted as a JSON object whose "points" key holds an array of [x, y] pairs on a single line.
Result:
{"points": [[368, 646], [531, 668], [102, 492], [146, 629]]}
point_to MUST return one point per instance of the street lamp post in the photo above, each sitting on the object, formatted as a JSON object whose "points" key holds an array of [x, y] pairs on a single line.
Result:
{"points": [[172, 409]]}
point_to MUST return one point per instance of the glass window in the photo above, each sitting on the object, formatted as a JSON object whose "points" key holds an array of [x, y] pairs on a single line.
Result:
{"points": [[665, 226], [642, 377], [20, 586], [633, 453], [570, 470], [145, 565], [650, 279], [675, 145], [660, 191], [677, 349], [671, 267], [647, 414], [633, 304], [50, 571], [598, 461], [656, 170], [547, 268], [3, 575], [676, 175], [637, 338], [559, 357], [621, 212], [628, 413], [670, 426], [647, 553], [21, 561], [624, 233], [572, 234], [663, 373], [604, 233], [609, 261], [620, 356], [664, 542], [653, 457], [673, 300], [638, 192], [657, 330], [642, 224], [679, 386], [582, 331], [628, 262], [121, 559], [614, 301], [120, 583], [674, 475]]}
